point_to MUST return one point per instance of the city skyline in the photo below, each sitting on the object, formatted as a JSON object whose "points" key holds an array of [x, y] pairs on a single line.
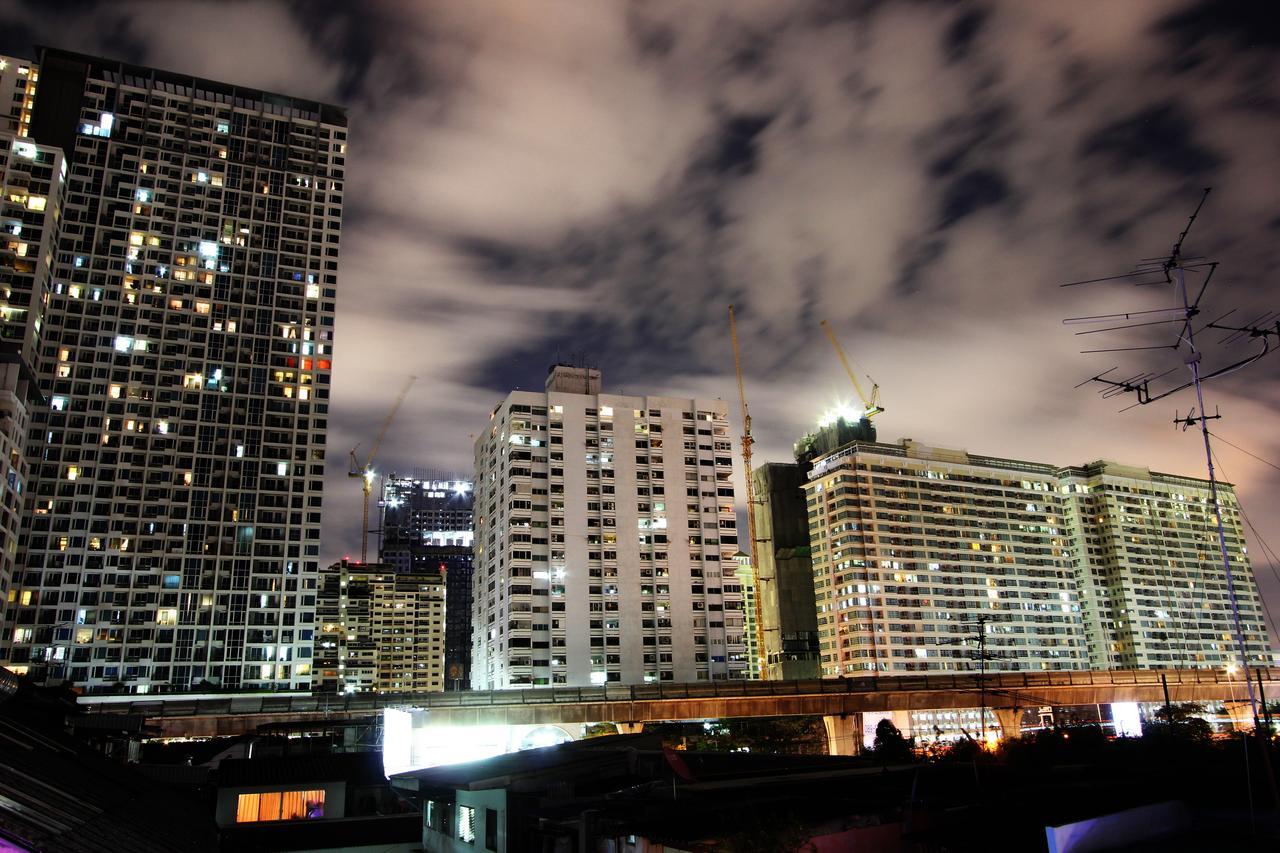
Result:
{"points": [[1020, 146]]}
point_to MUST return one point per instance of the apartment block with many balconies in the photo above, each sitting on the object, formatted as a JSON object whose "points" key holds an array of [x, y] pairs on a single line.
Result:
{"points": [[605, 540]]}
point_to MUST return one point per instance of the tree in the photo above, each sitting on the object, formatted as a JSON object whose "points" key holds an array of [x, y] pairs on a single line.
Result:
{"points": [[1180, 721], [890, 745]]}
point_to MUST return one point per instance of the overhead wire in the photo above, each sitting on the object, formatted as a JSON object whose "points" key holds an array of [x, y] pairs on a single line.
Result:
{"points": [[1267, 550]]}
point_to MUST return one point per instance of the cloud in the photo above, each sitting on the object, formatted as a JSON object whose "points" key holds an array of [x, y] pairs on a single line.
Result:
{"points": [[527, 179]]}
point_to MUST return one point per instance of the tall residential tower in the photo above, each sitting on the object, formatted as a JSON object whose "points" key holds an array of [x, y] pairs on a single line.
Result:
{"points": [[605, 540], [174, 510]]}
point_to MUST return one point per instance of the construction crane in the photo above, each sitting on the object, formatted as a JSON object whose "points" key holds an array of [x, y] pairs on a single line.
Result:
{"points": [[870, 405], [364, 470], [747, 441]]}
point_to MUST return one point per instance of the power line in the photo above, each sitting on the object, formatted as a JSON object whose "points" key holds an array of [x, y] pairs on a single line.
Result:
{"points": [[1245, 452]]}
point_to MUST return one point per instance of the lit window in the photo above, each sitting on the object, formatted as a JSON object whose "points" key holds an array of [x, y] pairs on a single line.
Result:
{"points": [[135, 238], [123, 343], [280, 805], [24, 149], [58, 404], [73, 472], [36, 202], [467, 824]]}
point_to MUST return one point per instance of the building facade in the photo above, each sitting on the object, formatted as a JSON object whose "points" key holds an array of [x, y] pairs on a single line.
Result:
{"points": [[786, 572], [174, 509], [927, 559], [32, 189], [745, 575], [381, 630], [605, 535], [427, 525], [1149, 568], [19, 80], [917, 549]]}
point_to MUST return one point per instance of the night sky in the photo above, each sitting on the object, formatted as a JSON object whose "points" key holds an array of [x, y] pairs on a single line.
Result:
{"points": [[531, 180]]}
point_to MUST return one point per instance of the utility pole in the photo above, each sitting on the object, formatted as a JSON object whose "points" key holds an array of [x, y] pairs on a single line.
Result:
{"points": [[982, 657], [1172, 270]]}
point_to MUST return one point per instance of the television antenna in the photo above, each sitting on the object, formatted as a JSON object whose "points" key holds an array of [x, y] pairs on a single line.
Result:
{"points": [[1172, 270]]}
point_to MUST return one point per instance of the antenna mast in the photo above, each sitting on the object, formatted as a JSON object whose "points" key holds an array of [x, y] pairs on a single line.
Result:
{"points": [[747, 441], [1173, 269]]}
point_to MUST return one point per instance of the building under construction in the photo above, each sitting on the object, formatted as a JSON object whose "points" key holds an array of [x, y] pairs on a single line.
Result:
{"points": [[427, 523]]}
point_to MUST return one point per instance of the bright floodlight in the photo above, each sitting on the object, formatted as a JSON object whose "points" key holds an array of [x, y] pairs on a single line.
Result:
{"points": [[841, 412]]}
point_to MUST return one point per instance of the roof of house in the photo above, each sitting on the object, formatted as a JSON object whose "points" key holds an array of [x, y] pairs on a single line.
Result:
{"points": [[56, 794], [355, 768]]}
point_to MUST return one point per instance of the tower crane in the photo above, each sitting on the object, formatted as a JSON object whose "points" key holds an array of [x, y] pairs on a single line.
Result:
{"points": [[747, 441], [870, 405], [364, 470]]}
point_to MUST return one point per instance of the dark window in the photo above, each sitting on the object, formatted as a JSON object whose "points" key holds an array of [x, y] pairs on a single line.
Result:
{"points": [[490, 829]]}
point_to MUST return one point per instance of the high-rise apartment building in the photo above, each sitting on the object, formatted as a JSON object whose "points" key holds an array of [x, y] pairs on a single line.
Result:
{"points": [[1149, 567], [32, 188], [380, 630], [912, 545], [174, 509], [427, 526], [917, 550], [605, 536]]}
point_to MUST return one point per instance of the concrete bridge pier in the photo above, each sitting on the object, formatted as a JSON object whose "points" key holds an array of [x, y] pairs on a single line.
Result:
{"points": [[1241, 714], [844, 733], [1010, 720]]}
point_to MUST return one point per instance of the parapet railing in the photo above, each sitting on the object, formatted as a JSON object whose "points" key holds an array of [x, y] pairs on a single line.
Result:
{"points": [[189, 705]]}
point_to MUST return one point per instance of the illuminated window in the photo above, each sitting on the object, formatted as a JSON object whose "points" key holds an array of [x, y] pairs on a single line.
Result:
{"points": [[280, 805], [36, 202], [467, 824]]}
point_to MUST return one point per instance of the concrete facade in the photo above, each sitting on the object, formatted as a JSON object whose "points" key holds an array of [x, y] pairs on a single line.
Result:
{"points": [[380, 630], [783, 559], [918, 552], [605, 535], [174, 510]]}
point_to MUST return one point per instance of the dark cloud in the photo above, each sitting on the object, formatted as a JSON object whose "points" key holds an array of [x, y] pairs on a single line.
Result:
{"points": [[958, 39], [1161, 136], [1245, 26], [735, 150]]}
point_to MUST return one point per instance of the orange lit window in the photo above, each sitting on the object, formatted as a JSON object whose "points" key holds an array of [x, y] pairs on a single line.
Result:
{"points": [[280, 805]]}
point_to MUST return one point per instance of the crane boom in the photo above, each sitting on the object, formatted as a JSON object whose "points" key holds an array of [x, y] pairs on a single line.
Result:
{"points": [[871, 405], [365, 471], [386, 424], [747, 441]]}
